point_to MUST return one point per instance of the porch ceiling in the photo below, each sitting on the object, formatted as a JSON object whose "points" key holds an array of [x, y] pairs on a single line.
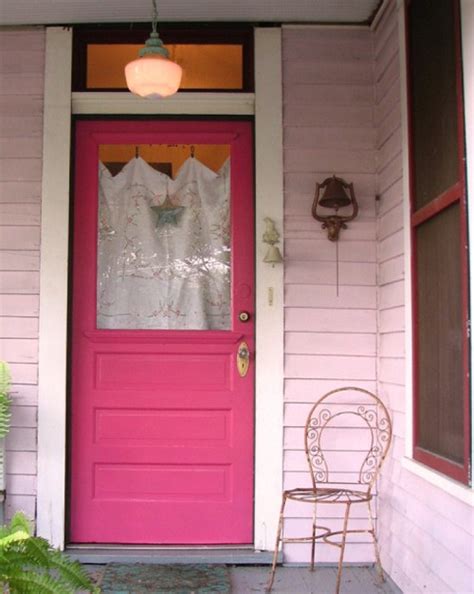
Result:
{"points": [[30, 12]]}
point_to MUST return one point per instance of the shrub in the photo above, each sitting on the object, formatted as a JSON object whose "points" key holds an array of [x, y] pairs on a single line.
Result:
{"points": [[30, 565]]}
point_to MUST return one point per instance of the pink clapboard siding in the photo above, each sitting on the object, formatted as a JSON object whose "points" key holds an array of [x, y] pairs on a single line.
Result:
{"points": [[330, 338], [426, 535], [341, 115], [21, 125]]}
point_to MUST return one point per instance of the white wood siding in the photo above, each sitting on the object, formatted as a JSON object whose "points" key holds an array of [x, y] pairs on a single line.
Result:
{"points": [[21, 122], [426, 534], [330, 339], [341, 115]]}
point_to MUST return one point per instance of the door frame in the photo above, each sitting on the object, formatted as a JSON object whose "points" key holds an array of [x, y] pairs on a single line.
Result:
{"points": [[60, 104]]}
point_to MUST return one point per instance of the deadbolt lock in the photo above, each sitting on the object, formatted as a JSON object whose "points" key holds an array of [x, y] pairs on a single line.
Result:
{"points": [[244, 316]]}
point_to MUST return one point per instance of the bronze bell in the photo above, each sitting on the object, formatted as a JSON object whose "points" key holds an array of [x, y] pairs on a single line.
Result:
{"points": [[334, 195]]}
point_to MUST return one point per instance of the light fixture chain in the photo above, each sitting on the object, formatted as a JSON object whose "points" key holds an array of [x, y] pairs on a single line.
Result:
{"points": [[154, 17]]}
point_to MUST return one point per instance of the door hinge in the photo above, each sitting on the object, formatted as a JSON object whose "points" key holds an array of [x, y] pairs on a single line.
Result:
{"points": [[468, 328]]}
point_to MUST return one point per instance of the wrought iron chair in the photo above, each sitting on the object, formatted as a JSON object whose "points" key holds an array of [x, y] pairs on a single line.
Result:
{"points": [[348, 425]]}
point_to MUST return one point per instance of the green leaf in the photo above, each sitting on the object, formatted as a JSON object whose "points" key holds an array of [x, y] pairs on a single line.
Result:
{"points": [[5, 378], [9, 539], [29, 564], [35, 583], [5, 402], [20, 522], [69, 570]]}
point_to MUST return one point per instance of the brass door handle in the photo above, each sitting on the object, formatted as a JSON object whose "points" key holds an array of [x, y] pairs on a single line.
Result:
{"points": [[243, 359]]}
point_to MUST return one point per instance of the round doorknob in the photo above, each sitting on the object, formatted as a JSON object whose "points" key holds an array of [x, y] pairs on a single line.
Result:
{"points": [[244, 316]]}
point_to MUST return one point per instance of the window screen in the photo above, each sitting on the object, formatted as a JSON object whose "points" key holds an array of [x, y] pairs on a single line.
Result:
{"points": [[440, 335], [440, 262], [433, 98]]}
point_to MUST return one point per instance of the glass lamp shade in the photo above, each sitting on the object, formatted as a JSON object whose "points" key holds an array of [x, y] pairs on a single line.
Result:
{"points": [[153, 77]]}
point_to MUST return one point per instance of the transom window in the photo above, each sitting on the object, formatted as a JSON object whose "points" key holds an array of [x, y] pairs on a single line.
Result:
{"points": [[212, 60]]}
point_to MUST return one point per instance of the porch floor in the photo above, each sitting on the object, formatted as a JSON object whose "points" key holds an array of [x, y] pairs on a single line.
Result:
{"points": [[294, 580], [299, 580]]}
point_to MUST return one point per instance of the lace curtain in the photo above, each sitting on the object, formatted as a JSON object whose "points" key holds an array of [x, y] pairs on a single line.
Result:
{"points": [[164, 248]]}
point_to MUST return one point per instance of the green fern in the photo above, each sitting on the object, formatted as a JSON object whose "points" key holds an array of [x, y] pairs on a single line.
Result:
{"points": [[5, 381], [34, 583], [18, 523], [30, 564], [9, 539], [5, 377]]}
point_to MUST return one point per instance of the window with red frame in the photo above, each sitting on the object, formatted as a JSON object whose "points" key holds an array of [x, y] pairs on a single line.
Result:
{"points": [[439, 238]]}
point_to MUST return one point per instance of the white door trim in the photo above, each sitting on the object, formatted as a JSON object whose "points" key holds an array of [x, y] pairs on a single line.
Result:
{"points": [[266, 104], [53, 286], [269, 287], [186, 104]]}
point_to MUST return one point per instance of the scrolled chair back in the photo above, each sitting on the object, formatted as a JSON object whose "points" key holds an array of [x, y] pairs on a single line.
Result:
{"points": [[347, 435]]}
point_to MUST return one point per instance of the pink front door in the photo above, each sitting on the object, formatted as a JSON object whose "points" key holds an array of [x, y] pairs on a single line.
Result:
{"points": [[161, 420]]}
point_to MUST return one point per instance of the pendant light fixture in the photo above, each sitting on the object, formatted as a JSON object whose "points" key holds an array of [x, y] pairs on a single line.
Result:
{"points": [[153, 75]]}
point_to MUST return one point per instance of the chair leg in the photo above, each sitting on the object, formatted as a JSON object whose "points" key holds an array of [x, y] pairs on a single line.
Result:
{"points": [[313, 541], [277, 546], [378, 563], [343, 546]]}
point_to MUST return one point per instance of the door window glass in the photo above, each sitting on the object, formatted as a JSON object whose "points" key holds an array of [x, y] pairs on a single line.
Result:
{"points": [[164, 247]]}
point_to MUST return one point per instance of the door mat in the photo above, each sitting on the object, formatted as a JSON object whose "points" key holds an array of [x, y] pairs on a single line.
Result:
{"points": [[141, 578]]}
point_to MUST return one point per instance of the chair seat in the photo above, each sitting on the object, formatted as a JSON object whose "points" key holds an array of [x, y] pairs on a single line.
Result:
{"points": [[328, 495]]}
